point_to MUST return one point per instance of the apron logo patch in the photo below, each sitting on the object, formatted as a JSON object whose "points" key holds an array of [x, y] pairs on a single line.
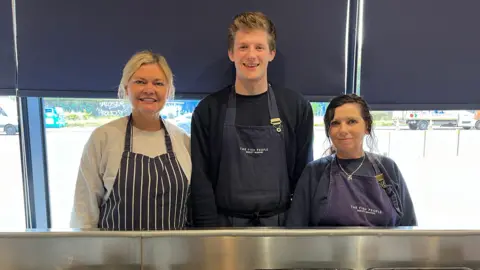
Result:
{"points": [[253, 151], [366, 210]]}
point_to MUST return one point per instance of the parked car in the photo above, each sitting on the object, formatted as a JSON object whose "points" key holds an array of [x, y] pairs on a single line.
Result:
{"points": [[8, 120]]}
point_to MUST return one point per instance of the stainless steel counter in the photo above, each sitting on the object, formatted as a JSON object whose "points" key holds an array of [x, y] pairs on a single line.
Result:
{"points": [[241, 249]]}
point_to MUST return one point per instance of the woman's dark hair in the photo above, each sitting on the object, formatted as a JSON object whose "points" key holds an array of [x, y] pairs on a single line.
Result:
{"points": [[366, 115]]}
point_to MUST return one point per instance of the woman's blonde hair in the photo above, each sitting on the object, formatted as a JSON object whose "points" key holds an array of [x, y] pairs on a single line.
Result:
{"points": [[144, 58]]}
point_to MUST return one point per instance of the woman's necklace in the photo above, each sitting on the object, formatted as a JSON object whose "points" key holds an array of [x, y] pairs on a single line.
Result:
{"points": [[349, 176]]}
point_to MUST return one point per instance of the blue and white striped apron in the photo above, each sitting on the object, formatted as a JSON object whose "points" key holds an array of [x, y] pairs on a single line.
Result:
{"points": [[148, 193]]}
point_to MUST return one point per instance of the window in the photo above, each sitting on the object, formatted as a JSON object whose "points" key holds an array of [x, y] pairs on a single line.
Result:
{"points": [[69, 123], [320, 142], [437, 152], [12, 212]]}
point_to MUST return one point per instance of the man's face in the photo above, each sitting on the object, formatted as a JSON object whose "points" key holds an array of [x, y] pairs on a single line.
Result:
{"points": [[251, 54]]}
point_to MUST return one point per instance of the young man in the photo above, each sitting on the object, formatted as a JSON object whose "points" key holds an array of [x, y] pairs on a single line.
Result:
{"points": [[250, 141]]}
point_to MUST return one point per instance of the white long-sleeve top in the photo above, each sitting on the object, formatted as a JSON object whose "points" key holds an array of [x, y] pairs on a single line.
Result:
{"points": [[101, 160]]}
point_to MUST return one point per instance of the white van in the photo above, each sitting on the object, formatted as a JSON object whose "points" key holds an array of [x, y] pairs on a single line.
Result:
{"points": [[422, 119], [8, 119]]}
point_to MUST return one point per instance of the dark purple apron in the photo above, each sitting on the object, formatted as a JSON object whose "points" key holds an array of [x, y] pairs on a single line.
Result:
{"points": [[361, 201]]}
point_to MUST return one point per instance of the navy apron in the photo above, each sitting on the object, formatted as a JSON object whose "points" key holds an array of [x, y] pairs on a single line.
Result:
{"points": [[148, 193], [253, 187], [361, 201]]}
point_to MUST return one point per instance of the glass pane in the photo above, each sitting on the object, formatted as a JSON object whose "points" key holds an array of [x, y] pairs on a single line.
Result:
{"points": [[437, 152], [69, 123], [12, 210], [320, 142]]}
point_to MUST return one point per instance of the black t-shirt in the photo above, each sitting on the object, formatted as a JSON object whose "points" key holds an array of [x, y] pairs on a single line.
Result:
{"points": [[252, 110]]}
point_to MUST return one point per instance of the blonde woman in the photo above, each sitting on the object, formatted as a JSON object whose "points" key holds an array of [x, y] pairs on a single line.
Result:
{"points": [[135, 171]]}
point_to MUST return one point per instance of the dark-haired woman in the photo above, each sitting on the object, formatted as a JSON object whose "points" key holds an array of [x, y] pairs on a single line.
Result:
{"points": [[351, 187]]}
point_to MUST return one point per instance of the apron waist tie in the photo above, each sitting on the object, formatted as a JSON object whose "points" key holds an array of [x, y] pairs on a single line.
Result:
{"points": [[254, 217]]}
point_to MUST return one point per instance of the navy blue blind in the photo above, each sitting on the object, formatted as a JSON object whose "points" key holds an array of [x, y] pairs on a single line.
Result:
{"points": [[78, 48], [7, 55], [421, 54]]}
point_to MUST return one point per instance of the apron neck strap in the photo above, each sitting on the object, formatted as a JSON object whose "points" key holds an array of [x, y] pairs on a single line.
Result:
{"points": [[168, 140], [129, 136], [374, 162]]}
